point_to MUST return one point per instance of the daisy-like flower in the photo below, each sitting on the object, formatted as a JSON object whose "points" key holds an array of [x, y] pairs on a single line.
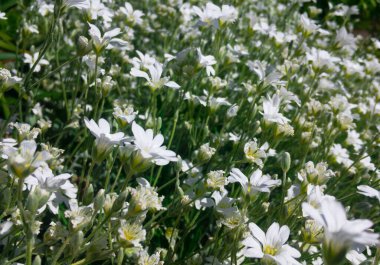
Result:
{"points": [[124, 116], [256, 154], [150, 148], [101, 42], [155, 81], [105, 140], [24, 160], [256, 183], [271, 110], [131, 234], [31, 59], [206, 61], [340, 234], [144, 197], [60, 188], [133, 16], [6, 78], [270, 246], [369, 191], [143, 61], [209, 15]]}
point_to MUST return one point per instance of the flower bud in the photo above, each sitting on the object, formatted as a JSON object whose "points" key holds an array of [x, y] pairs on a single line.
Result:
{"points": [[88, 195], [99, 200], [76, 242], [37, 260], [83, 46], [205, 153], [36, 199], [285, 161], [119, 202]]}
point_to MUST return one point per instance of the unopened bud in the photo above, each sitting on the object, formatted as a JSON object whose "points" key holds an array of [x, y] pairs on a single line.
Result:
{"points": [[99, 200], [37, 260], [89, 195], [119, 202], [285, 161], [83, 46]]}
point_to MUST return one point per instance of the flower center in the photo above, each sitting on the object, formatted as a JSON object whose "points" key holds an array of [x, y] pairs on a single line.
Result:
{"points": [[270, 250]]}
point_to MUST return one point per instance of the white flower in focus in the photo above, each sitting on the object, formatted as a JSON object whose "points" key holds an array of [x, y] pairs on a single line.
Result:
{"points": [[101, 42], [131, 234], [369, 191], [102, 130], [340, 234], [150, 147], [256, 183], [60, 188], [206, 62], [270, 246], [154, 80], [145, 197], [31, 60], [255, 154], [271, 110], [80, 216]]}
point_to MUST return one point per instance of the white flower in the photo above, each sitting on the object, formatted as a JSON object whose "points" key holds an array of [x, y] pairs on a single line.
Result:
{"points": [[150, 147], [2, 16], [228, 14], [209, 15], [340, 234], [270, 246], [60, 188], [81, 4], [23, 160], [257, 181], [124, 116], [255, 154], [341, 155], [143, 61], [131, 234], [105, 141], [321, 59], [101, 42], [206, 62], [102, 130], [154, 80], [369, 191], [271, 110], [223, 203], [31, 59], [133, 16], [145, 197]]}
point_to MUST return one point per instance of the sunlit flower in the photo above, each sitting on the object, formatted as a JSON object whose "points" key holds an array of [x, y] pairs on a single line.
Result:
{"points": [[256, 183], [270, 246], [155, 81]]}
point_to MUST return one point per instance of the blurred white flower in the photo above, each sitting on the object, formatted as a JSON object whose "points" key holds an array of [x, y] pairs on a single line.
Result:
{"points": [[271, 110], [206, 62], [31, 60], [340, 234], [134, 16], [101, 42], [369, 191]]}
